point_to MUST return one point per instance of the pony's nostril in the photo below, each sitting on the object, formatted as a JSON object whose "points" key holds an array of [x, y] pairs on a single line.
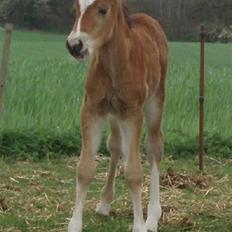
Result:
{"points": [[80, 44], [77, 47]]}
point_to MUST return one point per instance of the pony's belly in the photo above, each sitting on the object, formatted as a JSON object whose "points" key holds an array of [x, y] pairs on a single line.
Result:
{"points": [[123, 106], [117, 106]]}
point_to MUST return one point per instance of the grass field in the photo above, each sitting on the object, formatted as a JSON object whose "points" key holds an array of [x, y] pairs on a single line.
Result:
{"points": [[43, 97], [45, 89], [39, 196]]}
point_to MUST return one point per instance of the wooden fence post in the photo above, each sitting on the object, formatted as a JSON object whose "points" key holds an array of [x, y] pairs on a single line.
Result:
{"points": [[202, 99], [4, 64]]}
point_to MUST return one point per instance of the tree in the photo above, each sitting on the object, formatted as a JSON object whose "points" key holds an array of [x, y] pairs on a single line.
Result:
{"points": [[181, 19]]}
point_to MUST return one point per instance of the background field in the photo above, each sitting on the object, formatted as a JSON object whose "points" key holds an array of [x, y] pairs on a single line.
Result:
{"points": [[43, 97], [45, 89]]}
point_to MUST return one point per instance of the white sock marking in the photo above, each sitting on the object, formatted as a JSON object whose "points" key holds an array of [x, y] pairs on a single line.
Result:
{"points": [[103, 208], [75, 225], [154, 208]]}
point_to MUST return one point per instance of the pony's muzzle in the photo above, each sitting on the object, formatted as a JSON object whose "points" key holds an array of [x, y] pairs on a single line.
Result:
{"points": [[75, 48]]}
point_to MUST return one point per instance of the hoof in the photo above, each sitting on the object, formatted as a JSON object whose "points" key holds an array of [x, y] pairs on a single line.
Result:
{"points": [[103, 208], [140, 229], [74, 227], [152, 228]]}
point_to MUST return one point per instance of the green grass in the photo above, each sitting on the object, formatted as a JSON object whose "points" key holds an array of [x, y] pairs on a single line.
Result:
{"points": [[45, 88], [42, 104], [39, 196]]}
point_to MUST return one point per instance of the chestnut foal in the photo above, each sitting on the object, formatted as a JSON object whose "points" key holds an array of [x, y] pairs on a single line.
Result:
{"points": [[126, 79]]}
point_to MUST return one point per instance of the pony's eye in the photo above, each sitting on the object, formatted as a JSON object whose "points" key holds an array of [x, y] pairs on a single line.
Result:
{"points": [[102, 11]]}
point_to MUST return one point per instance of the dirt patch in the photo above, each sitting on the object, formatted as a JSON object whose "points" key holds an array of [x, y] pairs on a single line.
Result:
{"points": [[184, 180], [3, 205]]}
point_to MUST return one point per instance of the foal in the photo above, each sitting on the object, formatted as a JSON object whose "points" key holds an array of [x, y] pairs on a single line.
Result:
{"points": [[126, 79]]}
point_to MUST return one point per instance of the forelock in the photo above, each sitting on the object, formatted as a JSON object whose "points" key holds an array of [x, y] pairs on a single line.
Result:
{"points": [[84, 4]]}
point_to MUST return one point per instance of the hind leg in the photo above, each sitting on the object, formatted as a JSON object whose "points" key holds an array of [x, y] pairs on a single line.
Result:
{"points": [[114, 146], [154, 148], [154, 209]]}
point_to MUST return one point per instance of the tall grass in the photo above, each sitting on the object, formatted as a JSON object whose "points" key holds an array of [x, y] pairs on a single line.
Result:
{"points": [[45, 88]]}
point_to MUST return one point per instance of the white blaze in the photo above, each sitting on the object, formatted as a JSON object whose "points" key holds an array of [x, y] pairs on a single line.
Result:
{"points": [[76, 35], [84, 4], [79, 24]]}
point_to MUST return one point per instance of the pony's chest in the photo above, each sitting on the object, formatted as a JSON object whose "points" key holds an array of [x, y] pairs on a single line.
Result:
{"points": [[117, 101]]}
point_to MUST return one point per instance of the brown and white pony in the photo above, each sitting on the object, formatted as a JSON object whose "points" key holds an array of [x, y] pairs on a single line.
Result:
{"points": [[126, 80]]}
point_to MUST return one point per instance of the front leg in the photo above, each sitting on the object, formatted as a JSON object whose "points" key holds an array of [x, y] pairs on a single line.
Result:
{"points": [[131, 129], [91, 123]]}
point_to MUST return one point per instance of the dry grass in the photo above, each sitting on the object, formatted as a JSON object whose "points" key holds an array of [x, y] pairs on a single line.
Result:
{"points": [[39, 197]]}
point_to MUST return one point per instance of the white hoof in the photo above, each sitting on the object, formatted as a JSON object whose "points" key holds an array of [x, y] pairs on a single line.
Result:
{"points": [[151, 226], [141, 228], [154, 214], [103, 208], [74, 226]]}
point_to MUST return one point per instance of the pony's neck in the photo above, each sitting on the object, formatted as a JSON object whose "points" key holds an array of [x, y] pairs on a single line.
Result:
{"points": [[115, 54]]}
